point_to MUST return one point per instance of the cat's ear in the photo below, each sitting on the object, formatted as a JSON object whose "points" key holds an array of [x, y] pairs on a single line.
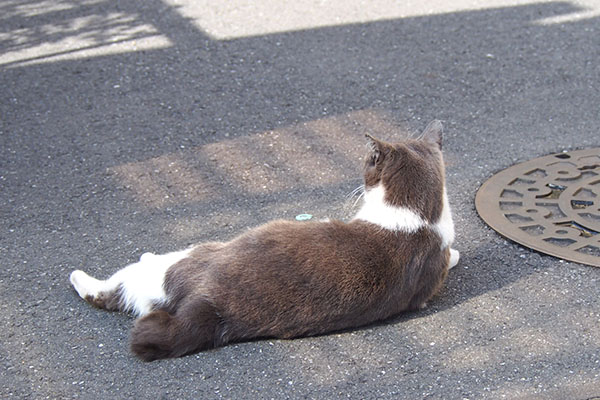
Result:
{"points": [[434, 131], [376, 150]]}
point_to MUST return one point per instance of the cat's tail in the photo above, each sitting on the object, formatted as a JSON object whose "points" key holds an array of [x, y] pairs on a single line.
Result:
{"points": [[195, 327]]}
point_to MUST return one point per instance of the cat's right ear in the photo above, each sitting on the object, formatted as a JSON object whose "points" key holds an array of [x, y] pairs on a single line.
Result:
{"points": [[376, 150], [434, 132]]}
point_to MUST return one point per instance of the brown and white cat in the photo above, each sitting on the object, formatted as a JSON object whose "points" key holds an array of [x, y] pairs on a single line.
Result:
{"points": [[288, 279]]}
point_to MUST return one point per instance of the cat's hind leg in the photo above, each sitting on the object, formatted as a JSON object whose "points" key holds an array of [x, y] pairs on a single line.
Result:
{"points": [[96, 292], [137, 288]]}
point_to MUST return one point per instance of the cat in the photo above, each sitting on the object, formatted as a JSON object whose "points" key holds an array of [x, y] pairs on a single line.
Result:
{"points": [[289, 279]]}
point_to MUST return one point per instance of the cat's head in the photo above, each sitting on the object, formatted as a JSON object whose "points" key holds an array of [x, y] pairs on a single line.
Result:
{"points": [[411, 172]]}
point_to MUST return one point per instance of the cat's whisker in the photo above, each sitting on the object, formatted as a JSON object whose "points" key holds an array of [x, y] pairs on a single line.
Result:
{"points": [[360, 196], [353, 193], [357, 194]]}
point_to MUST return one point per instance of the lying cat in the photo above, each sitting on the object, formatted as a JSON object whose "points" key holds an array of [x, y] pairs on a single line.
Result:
{"points": [[288, 279]]}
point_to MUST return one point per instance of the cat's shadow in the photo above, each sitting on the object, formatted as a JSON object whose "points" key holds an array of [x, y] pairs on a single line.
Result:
{"points": [[478, 273]]}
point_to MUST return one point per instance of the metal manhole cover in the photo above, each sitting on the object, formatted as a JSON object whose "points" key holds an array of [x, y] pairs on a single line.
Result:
{"points": [[550, 204]]}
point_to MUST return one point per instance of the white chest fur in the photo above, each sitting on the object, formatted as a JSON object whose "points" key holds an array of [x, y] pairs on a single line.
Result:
{"points": [[377, 211]]}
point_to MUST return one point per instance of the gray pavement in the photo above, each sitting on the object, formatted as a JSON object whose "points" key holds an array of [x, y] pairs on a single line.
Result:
{"points": [[132, 126]]}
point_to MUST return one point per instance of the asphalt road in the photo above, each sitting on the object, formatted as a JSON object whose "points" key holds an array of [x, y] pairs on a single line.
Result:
{"points": [[138, 126]]}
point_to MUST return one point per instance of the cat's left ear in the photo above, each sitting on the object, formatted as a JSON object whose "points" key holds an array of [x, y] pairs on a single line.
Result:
{"points": [[377, 150], [434, 131]]}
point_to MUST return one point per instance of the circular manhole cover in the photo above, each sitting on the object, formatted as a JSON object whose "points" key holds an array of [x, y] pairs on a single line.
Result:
{"points": [[550, 204]]}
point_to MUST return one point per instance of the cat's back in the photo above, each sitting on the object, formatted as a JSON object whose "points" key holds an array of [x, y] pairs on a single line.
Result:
{"points": [[349, 254], [307, 278]]}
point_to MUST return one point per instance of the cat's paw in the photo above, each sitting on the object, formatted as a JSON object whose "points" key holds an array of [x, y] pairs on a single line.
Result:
{"points": [[85, 285], [147, 257], [454, 257]]}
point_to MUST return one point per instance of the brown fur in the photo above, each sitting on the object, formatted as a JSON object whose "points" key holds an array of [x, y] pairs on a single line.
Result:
{"points": [[110, 301], [289, 279]]}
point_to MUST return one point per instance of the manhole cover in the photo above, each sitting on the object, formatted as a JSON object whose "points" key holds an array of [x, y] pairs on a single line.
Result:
{"points": [[550, 204]]}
